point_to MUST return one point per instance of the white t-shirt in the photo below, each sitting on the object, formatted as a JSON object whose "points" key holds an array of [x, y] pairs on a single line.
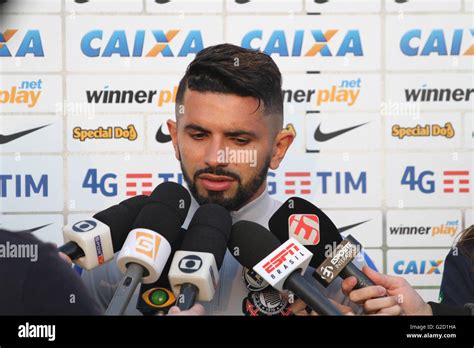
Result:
{"points": [[232, 297]]}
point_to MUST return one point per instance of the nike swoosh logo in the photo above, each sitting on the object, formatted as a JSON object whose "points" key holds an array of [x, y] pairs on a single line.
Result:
{"points": [[31, 230], [345, 228], [162, 137], [321, 137], [4, 139]]}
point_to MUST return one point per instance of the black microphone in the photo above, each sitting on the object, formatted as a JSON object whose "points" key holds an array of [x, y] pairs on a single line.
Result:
{"points": [[148, 246], [94, 241], [194, 273], [281, 265], [332, 255]]}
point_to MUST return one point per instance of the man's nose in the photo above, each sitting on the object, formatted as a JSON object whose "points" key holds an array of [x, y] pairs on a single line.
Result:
{"points": [[216, 154]]}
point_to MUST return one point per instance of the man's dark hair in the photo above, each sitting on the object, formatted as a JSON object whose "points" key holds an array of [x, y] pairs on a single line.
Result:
{"points": [[231, 69]]}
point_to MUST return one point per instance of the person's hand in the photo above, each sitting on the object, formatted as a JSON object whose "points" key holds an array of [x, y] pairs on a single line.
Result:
{"points": [[65, 258], [299, 308], [197, 309], [399, 297], [63, 255]]}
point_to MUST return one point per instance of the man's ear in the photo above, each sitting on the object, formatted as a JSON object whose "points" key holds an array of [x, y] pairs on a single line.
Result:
{"points": [[173, 129], [283, 140]]}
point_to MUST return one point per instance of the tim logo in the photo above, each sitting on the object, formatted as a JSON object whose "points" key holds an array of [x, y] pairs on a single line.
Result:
{"points": [[30, 44], [280, 258], [304, 228], [147, 244]]}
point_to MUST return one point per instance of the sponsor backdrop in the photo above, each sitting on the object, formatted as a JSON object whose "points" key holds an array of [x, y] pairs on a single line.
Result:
{"points": [[380, 94]]}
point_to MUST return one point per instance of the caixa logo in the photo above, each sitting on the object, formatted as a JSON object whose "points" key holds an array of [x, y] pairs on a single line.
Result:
{"points": [[321, 43], [96, 44], [417, 267], [439, 42], [27, 44]]}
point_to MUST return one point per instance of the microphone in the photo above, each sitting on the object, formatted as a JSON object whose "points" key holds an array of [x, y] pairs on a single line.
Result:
{"points": [[90, 243], [332, 255], [281, 265], [194, 272], [157, 298], [148, 245]]}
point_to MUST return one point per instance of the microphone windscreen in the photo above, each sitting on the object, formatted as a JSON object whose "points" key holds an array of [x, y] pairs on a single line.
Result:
{"points": [[165, 210], [250, 242], [120, 218], [209, 231], [299, 219]]}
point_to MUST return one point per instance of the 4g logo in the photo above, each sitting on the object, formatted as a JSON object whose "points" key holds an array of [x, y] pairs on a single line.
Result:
{"points": [[103, 184], [409, 178], [136, 183], [454, 181]]}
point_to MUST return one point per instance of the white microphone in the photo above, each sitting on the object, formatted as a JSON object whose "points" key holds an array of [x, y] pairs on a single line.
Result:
{"points": [[194, 272], [92, 242], [148, 246], [148, 249]]}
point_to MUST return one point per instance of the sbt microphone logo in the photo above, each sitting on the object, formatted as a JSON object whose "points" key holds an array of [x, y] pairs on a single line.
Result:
{"points": [[28, 44], [190, 264], [148, 244], [119, 43]]}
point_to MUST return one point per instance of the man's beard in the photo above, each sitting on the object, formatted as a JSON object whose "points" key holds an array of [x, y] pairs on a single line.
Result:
{"points": [[244, 192]]}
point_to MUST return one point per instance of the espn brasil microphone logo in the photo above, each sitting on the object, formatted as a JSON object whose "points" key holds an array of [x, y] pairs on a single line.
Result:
{"points": [[289, 257], [279, 262], [304, 228], [148, 244]]}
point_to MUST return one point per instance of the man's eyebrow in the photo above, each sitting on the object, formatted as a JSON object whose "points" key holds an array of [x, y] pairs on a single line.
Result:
{"points": [[239, 132], [233, 133], [196, 128]]}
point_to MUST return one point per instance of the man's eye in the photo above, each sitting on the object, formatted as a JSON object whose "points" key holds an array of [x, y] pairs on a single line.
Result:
{"points": [[241, 141], [198, 136]]}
